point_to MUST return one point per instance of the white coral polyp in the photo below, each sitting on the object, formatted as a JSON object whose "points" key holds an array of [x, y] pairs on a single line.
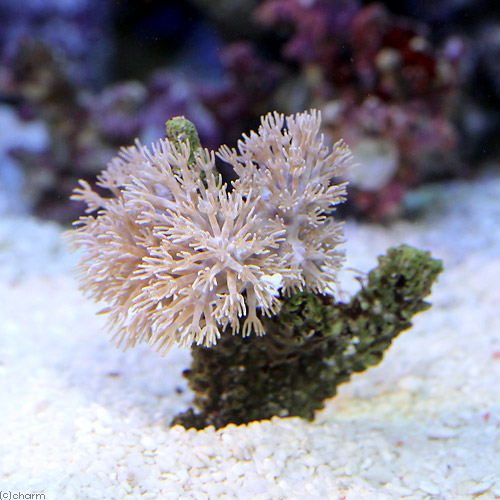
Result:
{"points": [[289, 171], [179, 259]]}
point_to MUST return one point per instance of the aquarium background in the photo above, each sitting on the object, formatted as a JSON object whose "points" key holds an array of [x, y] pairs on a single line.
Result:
{"points": [[412, 87]]}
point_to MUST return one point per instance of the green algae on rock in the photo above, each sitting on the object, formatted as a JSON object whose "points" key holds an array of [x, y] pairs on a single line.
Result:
{"points": [[312, 345]]}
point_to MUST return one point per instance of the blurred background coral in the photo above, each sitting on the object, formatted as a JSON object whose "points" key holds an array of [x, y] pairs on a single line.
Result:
{"points": [[412, 86]]}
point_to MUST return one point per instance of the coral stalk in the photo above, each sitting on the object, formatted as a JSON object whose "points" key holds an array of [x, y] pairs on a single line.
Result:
{"points": [[312, 346]]}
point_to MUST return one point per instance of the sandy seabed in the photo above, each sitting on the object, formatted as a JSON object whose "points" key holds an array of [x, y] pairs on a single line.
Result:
{"points": [[82, 420]]}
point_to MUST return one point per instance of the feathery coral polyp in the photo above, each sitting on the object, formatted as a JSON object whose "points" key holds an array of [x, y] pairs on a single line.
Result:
{"points": [[178, 258], [289, 171]]}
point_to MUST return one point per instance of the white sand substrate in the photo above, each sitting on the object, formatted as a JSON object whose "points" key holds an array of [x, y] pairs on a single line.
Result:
{"points": [[81, 420]]}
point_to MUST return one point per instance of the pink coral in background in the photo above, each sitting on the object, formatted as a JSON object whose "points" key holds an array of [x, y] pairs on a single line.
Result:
{"points": [[383, 86]]}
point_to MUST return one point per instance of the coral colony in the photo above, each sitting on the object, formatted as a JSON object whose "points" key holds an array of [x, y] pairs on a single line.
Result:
{"points": [[180, 259], [243, 274]]}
